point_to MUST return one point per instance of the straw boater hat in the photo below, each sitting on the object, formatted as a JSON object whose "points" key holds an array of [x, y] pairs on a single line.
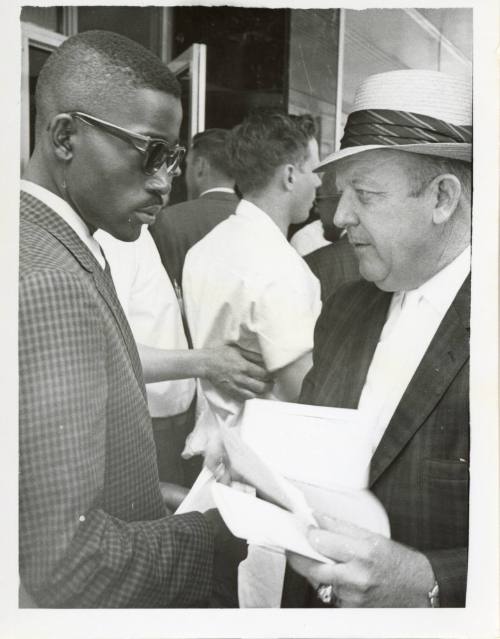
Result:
{"points": [[425, 112]]}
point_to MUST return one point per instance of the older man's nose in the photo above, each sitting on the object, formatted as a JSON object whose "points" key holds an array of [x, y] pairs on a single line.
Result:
{"points": [[345, 214]]}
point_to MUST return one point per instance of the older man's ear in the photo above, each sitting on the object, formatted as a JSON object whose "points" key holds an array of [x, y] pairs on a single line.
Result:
{"points": [[446, 190]]}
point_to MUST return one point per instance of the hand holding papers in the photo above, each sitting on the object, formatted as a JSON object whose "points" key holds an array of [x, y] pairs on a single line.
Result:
{"points": [[262, 523]]}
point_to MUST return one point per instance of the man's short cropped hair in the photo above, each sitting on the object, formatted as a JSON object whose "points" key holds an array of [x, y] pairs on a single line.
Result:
{"points": [[94, 68], [265, 140], [426, 167], [212, 144]]}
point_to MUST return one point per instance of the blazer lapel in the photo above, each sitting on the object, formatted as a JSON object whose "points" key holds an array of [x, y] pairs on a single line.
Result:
{"points": [[357, 342], [104, 284], [37, 212], [446, 355]]}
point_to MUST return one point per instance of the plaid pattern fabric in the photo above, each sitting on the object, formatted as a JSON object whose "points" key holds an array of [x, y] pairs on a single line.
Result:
{"points": [[334, 265], [420, 468], [93, 531]]}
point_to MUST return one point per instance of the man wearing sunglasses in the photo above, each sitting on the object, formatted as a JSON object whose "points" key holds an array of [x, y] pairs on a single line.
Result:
{"points": [[94, 531]]}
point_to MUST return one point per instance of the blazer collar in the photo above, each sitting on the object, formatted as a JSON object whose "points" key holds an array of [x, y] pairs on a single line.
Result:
{"points": [[36, 212], [219, 195], [446, 355]]}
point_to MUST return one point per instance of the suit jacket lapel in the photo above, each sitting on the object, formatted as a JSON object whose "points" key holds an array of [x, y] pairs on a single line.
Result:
{"points": [[446, 355], [36, 212], [357, 342], [105, 286]]}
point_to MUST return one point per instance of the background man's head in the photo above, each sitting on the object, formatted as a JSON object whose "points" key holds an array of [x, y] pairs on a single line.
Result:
{"points": [[272, 152], [325, 206], [404, 174], [100, 173], [208, 165]]}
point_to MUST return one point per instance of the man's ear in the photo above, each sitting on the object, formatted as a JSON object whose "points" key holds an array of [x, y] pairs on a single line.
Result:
{"points": [[61, 128], [446, 190], [201, 166], [288, 177]]}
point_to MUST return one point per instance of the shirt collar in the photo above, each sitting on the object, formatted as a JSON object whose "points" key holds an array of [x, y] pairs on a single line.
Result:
{"points": [[441, 289], [258, 216], [68, 214], [218, 189]]}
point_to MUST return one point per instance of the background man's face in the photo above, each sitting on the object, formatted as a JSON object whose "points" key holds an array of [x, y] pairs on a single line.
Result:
{"points": [[193, 190], [306, 183], [392, 232], [105, 176], [325, 206]]}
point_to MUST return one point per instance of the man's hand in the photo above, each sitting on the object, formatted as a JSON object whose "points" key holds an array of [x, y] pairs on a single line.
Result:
{"points": [[372, 571], [173, 495], [237, 372]]}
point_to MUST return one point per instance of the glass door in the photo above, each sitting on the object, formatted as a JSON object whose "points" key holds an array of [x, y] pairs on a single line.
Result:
{"points": [[190, 67], [37, 44]]}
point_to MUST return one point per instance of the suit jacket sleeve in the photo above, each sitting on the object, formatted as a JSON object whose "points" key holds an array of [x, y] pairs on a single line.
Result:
{"points": [[72, 552], [450, 570]]}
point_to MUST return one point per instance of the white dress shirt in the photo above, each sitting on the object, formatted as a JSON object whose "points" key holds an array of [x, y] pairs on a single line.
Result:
{"points": [[217, 189], [152, 309], [243, 283], [412, 321], [309, 238]]}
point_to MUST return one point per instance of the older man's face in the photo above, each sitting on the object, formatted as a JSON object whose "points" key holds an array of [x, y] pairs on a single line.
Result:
{"points": [[392, 232], [105, 179]]}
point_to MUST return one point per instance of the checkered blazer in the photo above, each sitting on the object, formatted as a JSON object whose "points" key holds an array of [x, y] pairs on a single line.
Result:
{"points": [[334, 265], [420, 469], [93, 531]]}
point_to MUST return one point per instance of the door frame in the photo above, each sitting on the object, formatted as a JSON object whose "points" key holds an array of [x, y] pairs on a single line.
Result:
{"points": [[32, 35], [194, 59]]}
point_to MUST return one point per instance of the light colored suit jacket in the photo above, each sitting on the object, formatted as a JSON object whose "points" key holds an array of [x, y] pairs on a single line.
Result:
{"points": [[93, 530]]}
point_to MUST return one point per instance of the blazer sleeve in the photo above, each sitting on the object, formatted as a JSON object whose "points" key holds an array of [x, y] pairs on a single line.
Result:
{"points": [[450, 570], [72, 552]]}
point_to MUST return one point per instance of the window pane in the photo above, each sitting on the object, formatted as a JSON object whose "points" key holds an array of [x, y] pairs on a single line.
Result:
{"points": [[37, 58], [137, 23], [47, 17], [378, 40]]}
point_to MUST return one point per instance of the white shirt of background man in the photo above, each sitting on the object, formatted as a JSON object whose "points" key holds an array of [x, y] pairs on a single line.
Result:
{"points": [[412, 321], [309, 238], [243, 283], [151, 307]]}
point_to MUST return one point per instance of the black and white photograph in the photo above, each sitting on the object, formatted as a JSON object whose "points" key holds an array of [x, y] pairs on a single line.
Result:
{"points": [[252, 286]]}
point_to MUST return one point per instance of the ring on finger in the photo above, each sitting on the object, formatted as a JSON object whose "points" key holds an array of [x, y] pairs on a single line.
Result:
{"points": [[326, 595]]}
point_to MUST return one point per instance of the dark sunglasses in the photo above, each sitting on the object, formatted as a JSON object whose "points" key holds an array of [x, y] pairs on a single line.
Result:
{"points": [[156, 151]]}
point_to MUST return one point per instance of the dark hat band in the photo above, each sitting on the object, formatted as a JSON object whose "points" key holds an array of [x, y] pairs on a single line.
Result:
{"points": [[394, 128]]}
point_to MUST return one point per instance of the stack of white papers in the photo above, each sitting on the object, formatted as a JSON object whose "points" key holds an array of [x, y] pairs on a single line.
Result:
{"points": [[300, 459], [318, 445], [262, 523]]}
